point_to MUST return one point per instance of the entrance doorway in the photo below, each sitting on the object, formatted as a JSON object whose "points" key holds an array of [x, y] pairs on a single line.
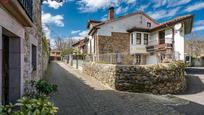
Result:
{"points": [[11, 67], [5, 71]]}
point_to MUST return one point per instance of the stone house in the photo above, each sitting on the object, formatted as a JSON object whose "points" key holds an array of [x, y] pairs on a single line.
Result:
{"points": [[81, 46], [55, 55], [139, 38], [22, 57]]}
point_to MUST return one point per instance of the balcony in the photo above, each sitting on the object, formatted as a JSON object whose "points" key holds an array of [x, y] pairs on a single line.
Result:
{"points": [[21, 10], [164, 46], [28, 7]]}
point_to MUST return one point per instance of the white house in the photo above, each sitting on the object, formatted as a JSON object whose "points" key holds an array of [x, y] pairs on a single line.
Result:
{"points": [[141, 37]]}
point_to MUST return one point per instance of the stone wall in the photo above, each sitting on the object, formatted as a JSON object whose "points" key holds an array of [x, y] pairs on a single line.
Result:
{"points": [[34, 35], [116, 42], [156, 79]]}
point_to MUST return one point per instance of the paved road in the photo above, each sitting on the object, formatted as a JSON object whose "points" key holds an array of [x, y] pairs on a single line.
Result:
{"points": [[195, 81], [81, 95]]}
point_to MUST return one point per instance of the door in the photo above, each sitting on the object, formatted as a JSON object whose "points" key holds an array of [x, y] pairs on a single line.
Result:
{"points": [[5, 71]]}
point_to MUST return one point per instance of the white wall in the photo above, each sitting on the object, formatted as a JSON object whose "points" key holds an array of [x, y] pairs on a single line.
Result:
{"points": [[168, 36], [151, 59], [179, 44], [153, 39], [138, 48], [124, 24], [91, 45]]}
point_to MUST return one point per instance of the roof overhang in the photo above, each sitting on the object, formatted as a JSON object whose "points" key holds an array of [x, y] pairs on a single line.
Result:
{"points": [[187, 20], [16, 10]]}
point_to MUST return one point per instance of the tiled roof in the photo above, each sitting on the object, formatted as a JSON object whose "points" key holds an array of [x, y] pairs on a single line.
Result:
{"points": [[81, 42], [162, 25], [119, 18]]}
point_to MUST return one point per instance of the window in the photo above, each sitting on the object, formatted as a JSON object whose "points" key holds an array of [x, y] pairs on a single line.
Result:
{"points": [[34, 57], [137, 59], [162, 37], [132, 38], [138, 38], [149, 24], [146, 39]]}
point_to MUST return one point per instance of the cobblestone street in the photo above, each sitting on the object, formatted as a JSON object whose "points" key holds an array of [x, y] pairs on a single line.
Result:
{"points": [[82, 95]]}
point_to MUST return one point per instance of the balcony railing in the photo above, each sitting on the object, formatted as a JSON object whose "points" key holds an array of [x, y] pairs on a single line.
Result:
{"points": [[28, 7]]}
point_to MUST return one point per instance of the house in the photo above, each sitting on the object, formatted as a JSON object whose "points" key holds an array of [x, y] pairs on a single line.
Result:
{"points": [[138, 38], [21, 50], [55, 55], [81, 46]]}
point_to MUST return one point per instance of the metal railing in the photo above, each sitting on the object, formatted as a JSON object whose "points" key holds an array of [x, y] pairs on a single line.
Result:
{"points": [[28, 7]]}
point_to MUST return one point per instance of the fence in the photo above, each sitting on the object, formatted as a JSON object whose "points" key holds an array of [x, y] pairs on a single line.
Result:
{"points": [[134, 59], [112, 58]]}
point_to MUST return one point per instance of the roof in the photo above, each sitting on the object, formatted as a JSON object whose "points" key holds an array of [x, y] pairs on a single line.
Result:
{"points": [[120, 18], [92, 21], [80, 43], [166, 24]]}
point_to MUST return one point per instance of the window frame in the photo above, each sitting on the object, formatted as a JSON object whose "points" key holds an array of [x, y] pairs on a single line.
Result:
{"points": [[139, 38], [146, 39], [132, 38], [161, 38], [149, 25], [34, 57]]}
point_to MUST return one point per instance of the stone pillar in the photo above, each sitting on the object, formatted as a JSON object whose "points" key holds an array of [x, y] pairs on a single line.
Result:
{"points": [[1, 55], [14, 69]]}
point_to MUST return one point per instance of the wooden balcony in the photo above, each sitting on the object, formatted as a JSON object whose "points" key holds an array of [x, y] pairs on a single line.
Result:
{"points": [[164, 46]]}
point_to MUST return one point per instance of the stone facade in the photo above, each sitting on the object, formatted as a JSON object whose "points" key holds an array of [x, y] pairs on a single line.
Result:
{"points": [[118, 42], [27, 58], [34, 37], [156, 79]]}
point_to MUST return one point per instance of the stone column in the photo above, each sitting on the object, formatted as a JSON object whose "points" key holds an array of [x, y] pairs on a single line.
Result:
{"points": [[1, 55], [14, 69]]}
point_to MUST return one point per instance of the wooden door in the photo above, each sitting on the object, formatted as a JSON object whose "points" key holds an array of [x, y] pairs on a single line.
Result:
{"points": [[5, 72]]}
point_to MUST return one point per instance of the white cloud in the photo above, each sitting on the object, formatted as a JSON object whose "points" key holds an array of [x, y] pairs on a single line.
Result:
{"points": [[121, 10], [48, 19], [104, 17], [164, 13], [75, 31], [174, 3], [198, 25], [199, 22], [131, 1], [169, 3], [83, 33], [196, 6], [53, 4], [94, 5], [198, 28]]}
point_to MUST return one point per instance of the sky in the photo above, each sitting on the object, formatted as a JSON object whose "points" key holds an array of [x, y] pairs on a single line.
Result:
{"points": [[68, 18]]}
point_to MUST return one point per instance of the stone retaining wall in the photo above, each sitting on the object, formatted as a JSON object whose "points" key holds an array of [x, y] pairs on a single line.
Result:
{"points": [[156, 79]]}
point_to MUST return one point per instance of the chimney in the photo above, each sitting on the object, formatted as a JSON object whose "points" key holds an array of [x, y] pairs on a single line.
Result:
{"points": [[111, 13]]}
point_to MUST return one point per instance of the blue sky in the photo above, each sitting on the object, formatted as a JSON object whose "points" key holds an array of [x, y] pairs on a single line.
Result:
{"points": [[69, 18]]}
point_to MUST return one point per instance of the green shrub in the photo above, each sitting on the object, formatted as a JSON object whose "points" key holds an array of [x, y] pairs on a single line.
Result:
{"points": [[41, 88], [6, 110], [35, 102], [40, 106]]}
